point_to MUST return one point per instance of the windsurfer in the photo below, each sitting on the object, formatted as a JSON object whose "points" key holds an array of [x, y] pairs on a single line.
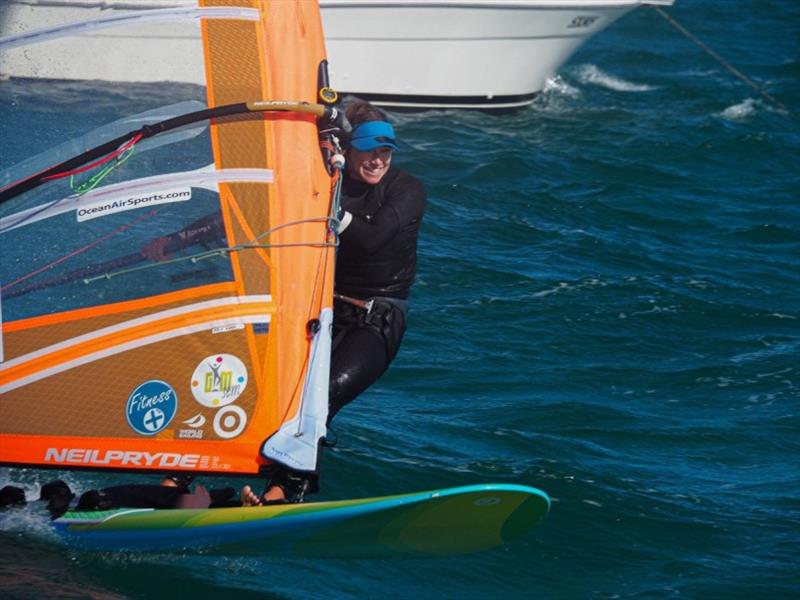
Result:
{"points": [[381, 211]]}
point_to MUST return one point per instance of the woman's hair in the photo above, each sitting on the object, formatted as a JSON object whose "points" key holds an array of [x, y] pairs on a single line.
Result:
{"points": [[362, 111]]}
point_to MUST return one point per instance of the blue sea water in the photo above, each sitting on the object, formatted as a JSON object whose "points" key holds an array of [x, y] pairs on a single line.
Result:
{"points": [[607, 308]]}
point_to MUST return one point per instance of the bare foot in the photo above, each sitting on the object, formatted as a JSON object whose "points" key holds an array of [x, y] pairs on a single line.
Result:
{"points": [[249, 498], [275, 493]]}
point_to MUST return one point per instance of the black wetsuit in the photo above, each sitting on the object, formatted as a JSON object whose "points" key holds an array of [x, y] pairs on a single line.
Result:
{"points": [[376, 260]]}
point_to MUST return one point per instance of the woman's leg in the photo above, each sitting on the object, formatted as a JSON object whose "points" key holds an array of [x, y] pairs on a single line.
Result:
{"points": [[363, 349]]}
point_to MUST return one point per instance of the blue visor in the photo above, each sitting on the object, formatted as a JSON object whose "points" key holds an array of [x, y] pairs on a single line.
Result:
{"points": [[373, 134]]}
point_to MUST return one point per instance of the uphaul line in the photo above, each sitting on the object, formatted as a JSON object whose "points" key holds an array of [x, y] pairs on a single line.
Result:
{"points": [[84, 456]]}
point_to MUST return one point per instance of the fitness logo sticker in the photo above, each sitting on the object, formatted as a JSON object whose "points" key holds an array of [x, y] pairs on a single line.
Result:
{"points": [[219, 380], [151, 407]]}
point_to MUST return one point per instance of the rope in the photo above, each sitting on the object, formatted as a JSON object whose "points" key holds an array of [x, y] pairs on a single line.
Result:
{"points": [[125, 264], [736, 72], [87, 186], [97, 178], [78, 251], [118, 154], [221, 252]]}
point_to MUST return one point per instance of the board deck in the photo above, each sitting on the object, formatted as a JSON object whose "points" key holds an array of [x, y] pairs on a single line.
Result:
{"points": [[433, 523]]}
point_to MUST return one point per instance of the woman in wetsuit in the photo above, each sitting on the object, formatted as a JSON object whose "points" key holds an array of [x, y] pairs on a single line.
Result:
{"points": [[382, 210], [377, 257]]}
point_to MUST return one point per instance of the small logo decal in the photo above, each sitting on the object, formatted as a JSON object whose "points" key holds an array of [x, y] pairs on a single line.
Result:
{"points": [[227, 328], [218, 380], [579, 22], [229, 422], [196, 421], [489, 501], [151, 407]]}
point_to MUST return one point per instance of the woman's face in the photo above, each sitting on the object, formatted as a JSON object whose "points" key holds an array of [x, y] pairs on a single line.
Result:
{"points": [[370, 166]]}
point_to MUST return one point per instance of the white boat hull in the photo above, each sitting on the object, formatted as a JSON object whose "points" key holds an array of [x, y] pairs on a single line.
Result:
{"points": [[404, 53], [456, 54]]}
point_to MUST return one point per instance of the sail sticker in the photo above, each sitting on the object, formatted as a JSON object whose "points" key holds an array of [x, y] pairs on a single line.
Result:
{"points": [[227, 328], [190, 434], [194, 433], [229, 422], [117, 205], [218, 380], [196, 421], [127, 458], [151, 407]]}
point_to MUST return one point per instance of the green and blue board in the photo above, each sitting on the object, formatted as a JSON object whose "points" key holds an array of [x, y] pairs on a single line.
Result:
{"points": [[435, 523]]}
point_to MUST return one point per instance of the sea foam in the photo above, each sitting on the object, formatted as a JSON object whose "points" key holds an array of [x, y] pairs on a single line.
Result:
{"points": [[557, 85], [740, 111], [592, 74]]}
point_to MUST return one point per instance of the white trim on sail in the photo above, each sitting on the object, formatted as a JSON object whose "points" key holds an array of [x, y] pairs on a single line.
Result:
{"points": [[257, 301], [28, 38], [151, 318], [89, 358], [207, 177], [296, 443]]}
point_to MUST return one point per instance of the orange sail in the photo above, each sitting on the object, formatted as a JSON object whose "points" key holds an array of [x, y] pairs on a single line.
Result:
{"points": [[173, 312]]}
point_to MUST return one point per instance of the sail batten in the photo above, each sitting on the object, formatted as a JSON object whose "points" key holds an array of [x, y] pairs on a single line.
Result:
{"points": [[156, 308]]}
